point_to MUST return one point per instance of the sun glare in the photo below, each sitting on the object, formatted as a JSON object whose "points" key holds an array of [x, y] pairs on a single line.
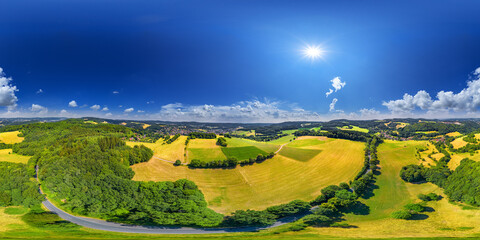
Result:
{"points": [[313, 52]]}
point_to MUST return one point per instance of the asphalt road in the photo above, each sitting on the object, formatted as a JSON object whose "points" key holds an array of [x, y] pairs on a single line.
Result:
{"points": [[119, 227]]}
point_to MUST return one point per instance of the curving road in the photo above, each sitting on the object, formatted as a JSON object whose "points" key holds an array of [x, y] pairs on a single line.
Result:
{"points": [[125, 228]]}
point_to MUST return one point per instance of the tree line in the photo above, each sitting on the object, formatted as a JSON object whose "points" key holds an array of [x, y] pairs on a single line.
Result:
{"points": [[230, 162]]}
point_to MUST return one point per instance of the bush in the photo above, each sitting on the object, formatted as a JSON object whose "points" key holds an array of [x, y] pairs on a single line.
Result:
{"points": [[177, 163], [297, 226], [250, 218], [317, 220], [414, 207], [288, 209], [402, 214], [429, 197]]}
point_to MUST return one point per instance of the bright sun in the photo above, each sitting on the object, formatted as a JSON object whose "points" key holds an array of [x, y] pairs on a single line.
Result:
{"points": [[313, 52]]}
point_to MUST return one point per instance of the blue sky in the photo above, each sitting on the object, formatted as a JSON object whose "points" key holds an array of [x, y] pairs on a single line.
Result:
{"points": [[239, 60]]}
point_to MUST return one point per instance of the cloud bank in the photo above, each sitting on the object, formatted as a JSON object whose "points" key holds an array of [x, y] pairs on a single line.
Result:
{"points": [[467, 100], [7, 92]]}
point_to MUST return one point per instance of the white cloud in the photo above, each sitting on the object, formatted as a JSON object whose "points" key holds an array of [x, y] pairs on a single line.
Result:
{"points": [[73, 103], [332, 104], [330, 91], [467, 100], [38, 108], [63, 111], [129, 110], [150, 102], [105, 109], [7, 92], [39, 91], [95, 107], [116, 92], [140, 111], [108, 115], [244, 111], [337, 83]]}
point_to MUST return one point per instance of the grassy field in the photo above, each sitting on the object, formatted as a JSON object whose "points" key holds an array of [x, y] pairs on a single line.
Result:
{"points": [[392, 193], [170, 152], [205, 154], [278, 180], [354, 128], [242, 153], [275, 181], [299, 154], [6, 155], [10, 137], [308, 141], [268, 147]]}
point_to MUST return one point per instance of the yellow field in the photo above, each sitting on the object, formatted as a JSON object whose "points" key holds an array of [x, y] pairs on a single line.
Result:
{"points": [[203, 143], [454, 134], [457, 157], [275, 181], [146, 126], [10, 137], [170, 152], [6, 155], [458, 143], [9, 222], [446, 220]]}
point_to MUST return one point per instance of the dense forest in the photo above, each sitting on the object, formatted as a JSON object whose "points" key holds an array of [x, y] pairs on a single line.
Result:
{"points": [[85, 169], [16, 186]]}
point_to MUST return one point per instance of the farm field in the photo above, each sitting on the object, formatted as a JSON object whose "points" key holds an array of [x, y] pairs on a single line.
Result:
{"points": [[242, 153], [354, 128], [6, 155], [275, 181], [10, 137], [170, 152]]}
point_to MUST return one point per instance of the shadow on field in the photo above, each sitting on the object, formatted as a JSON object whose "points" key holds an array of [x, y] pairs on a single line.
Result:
{"points": [[419, 216], [369, 192], [428, 209], [358, 208]]}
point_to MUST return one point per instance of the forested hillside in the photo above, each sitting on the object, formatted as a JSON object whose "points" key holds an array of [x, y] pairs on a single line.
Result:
{"points": [[85, 169]]}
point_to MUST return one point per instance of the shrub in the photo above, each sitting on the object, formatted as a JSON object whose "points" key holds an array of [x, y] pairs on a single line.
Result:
{"points": [[297, 226], [288, 209], [414, 207], [250, 218], [317, 220], [177, 163], [402, 214], [429, 197]]}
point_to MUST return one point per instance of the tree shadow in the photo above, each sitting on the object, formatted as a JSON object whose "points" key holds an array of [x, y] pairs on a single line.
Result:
{"points": [[428, 209], [419, 216], [369, 192], [358, 208]]}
